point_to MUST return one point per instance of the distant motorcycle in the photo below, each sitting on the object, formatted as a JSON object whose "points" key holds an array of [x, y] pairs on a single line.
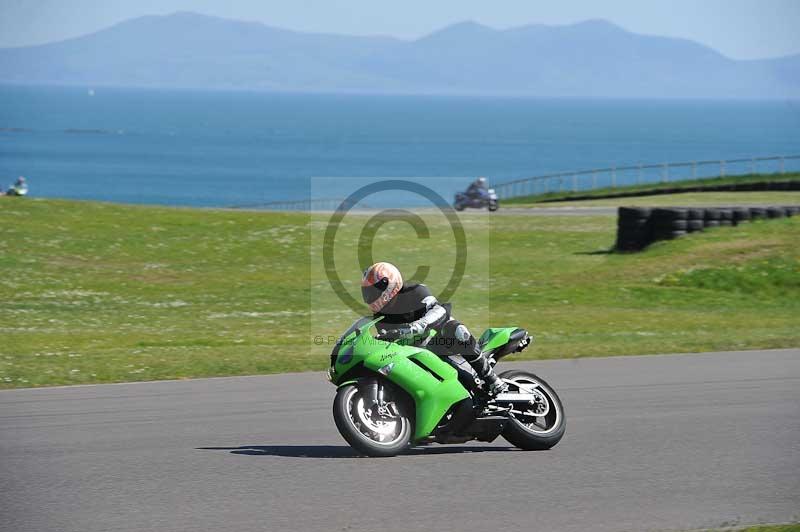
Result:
{"points": [[485, 198]]}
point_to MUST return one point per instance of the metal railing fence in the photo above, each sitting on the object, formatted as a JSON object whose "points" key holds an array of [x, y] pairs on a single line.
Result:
{"points": [[643, 174], [588, 180]]}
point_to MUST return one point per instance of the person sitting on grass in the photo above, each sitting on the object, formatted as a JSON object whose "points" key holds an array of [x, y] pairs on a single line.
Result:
{"points": [[19, 188]]}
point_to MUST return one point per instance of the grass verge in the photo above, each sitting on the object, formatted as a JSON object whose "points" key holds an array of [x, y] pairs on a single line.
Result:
{"points": [[94, 292]]}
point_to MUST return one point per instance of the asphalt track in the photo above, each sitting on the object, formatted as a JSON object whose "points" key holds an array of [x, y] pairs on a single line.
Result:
{"points": [[653, 443]]}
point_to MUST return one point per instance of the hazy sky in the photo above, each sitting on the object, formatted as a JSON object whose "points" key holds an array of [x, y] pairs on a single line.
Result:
{"points": [[742, 29]]}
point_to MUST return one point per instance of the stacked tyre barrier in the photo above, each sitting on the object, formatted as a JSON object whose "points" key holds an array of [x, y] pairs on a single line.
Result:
{"points": [[638, 227]]}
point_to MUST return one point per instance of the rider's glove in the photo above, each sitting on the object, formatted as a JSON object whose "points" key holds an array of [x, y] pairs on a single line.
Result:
{"points": [[415, 328], [403, 333]]}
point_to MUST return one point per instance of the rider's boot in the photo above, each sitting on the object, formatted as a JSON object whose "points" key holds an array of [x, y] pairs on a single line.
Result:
{"points": [[469, 349], [492, 384]]}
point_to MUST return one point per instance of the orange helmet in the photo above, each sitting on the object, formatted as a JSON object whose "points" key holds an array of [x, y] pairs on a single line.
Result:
{"points": [[380, 283]]}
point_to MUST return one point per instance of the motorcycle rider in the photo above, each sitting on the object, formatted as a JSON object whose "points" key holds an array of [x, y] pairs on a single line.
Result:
{"points": [[410, 311], [477, 188]]}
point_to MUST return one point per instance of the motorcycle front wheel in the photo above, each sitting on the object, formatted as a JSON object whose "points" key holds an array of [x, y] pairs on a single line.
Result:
{"points": [[539, 429], [369, 432]]}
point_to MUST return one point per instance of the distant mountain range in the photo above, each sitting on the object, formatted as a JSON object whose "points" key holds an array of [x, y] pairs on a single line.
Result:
{"points": [[589, 59]]}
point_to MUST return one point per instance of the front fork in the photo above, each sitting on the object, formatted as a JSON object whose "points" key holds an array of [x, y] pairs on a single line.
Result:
{"points": [[373, 392]]}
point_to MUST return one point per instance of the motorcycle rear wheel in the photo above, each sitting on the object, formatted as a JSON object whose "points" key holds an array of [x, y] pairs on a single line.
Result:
{"points": [[367, 434], [535, 433]]}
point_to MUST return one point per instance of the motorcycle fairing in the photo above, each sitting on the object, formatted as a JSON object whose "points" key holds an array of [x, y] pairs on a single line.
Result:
{"points": [[501, 341], [431, 382]]}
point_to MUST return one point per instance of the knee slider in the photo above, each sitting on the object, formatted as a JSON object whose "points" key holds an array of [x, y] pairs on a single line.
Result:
{"points": [[462, 334]]}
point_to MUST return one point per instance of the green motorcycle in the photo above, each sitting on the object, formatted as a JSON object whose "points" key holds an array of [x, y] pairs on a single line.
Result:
{"points": [[390, 396]]}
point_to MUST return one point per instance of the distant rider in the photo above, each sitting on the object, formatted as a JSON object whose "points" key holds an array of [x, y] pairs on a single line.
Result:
{"points": [[19, 188], [477, 189], [410, 311]]}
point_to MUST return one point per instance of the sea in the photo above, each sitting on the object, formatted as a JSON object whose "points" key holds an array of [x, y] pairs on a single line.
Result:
{"points": [[236, 148]]}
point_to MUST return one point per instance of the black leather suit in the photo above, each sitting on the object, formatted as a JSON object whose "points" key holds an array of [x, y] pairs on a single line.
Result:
{"points": [[415, 311]]}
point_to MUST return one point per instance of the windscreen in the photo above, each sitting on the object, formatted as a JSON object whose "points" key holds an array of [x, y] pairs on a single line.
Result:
{"points": [[356, 324]]}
